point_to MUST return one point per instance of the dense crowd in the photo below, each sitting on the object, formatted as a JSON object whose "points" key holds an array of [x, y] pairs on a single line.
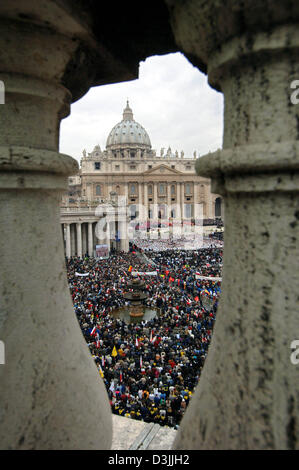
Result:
{"points": [[149, 368], [189, 241]]}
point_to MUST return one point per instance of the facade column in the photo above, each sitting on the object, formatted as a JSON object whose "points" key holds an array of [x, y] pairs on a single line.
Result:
{"points": [[155, 201], [196, 207], [109, 190], [140, 205], [90, 239], [79, 239], [124, 241], [146, 200], [73, 239], [126, 192], [68, 241], [250, 400], [182, 200], [108, 235], [169, 200], [178, 201]]}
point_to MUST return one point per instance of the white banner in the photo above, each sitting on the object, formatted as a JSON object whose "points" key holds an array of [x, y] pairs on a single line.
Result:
{"points": [[80, 274], [207, 278], [136, 273]]}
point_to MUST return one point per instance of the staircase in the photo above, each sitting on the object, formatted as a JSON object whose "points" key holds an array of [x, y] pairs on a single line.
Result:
{"points": [[130, 434]]}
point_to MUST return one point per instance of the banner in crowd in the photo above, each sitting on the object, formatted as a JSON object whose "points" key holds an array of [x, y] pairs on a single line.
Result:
{"points": [[140, 273], [102, 251], [208, 278], [80, 274]]}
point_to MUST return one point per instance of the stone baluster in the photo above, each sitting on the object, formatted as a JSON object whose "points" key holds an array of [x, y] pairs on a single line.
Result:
{"points": [[51, 394], [248, 392]]}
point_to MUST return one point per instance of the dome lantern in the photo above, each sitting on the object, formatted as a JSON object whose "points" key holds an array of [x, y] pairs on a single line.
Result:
{"points": [[128, 113]]}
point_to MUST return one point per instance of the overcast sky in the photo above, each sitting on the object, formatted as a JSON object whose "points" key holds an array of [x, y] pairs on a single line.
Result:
{"points": [[171, 100]]}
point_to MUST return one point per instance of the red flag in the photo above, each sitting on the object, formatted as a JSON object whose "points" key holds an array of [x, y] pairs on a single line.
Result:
{"points": [[93, 331], [140, 362]]}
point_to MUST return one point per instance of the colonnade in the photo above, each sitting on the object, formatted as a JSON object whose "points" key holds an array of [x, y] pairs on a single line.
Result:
{"points": [[81, 238], [201, 204]]}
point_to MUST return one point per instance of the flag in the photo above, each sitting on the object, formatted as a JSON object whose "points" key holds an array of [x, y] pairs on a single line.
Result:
{"points": [[101, 372], [136, 342], [114, 352], [140, 362], [151, 337], [103, 361], [130, 269], [93, 331], [111, 388], [120, 376]]}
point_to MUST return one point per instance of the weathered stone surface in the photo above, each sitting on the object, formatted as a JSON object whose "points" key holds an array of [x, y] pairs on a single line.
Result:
{"points": [[248, 394]]}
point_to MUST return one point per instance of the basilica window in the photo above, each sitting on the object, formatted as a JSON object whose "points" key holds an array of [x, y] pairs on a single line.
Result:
{"points": [[133, 189], [97, 165], [150, 189], [117, 167], [132, 154], [162, 188], [188, 211], [173, 190], [98, 190], [150, 166], [188, 188]]}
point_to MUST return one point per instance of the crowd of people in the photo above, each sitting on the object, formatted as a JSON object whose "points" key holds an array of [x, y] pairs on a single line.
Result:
{"points": [[149, 368], [186, 242]]}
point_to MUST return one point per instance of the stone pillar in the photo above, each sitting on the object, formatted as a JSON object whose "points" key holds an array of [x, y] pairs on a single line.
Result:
{"points": [[126, 191], [146, 200], [197, 209], [51, 393], [124, 241], [84, 239], [73, 240], [108, 234], [140, 205], [182, 200], [79, 239], [68, 241], [248, 393], [155, 202], [90, 239], [178, 200], [169, 200]]}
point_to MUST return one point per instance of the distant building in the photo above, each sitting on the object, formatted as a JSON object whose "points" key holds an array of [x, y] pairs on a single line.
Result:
{"points": [[155, 187]]}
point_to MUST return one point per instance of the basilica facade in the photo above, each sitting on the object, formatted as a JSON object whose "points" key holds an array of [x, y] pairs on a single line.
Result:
{"points": [[155, 186]]}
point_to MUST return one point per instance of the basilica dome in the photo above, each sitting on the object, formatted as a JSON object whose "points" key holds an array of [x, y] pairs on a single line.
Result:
{"points": [[128, 132]]}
